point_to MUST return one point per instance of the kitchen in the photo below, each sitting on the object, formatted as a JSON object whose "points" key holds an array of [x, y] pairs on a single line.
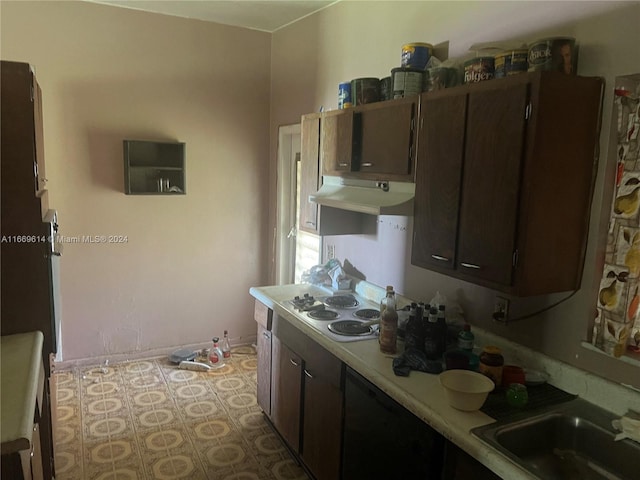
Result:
{"points": [[109, 74]]}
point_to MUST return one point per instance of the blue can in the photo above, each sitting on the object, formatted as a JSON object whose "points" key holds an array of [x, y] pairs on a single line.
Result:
{"points": [[344, 95]]}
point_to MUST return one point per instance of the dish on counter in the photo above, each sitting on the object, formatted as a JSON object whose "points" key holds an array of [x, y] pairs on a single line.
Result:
{"points": [[534, 377]]}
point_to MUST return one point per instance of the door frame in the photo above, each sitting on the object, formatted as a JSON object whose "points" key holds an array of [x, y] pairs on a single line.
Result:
{"points": [[286, 205]]}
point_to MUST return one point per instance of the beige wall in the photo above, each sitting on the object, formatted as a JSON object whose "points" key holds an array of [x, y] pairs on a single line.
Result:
{"points": [[354, 39], [109, 74]]}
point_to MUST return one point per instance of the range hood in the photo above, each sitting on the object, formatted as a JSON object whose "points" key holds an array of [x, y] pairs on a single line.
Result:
{"points": [[366, 196]]}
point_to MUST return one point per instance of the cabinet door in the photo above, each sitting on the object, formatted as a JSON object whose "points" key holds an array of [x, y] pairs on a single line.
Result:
{"points": [[323, 403], [491, 182], [309, 172], [264, 369], [383, 139], [39, 140], [336, 141], [438, 180], [286, 382]]}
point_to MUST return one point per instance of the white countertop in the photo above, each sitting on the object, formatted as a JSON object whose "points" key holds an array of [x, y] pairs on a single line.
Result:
{"points": [[421, 393]]}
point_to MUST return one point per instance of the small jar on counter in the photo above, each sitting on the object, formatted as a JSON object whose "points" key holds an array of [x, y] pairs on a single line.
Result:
{"points": [[491, 363]]}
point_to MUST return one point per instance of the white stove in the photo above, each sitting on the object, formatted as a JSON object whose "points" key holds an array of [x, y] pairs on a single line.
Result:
{"points": [[343, 317]]}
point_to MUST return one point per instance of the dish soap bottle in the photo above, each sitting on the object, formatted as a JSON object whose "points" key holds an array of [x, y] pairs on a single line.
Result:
{"points": [[466, 338], [389, 324], [226, 347], [215, 355]]}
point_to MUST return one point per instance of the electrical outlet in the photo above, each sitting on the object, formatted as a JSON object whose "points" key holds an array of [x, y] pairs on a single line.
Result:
{"points": [[501, 309], [331, 252]]}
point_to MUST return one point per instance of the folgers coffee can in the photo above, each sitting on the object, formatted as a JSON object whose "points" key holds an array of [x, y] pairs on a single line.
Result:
{"points": [[386, 89], [344, 95], [416, 55], [556, 53], [365, 90], [511, 62], [479, 69], [406, 82]]}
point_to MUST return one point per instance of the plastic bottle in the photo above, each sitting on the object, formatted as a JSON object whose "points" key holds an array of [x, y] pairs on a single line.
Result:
{"points": [[442, 330], [431, 336], [466, 338], [215, 354], [414, 336], [389, 324], [383, 301], [226, 346]]}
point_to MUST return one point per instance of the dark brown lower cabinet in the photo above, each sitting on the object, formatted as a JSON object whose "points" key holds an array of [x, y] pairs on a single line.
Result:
{"points": [[306, 399], [322, 413], [286, 390]]}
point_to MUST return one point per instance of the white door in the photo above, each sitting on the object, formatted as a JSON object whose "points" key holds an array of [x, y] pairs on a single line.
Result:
{"points": [[296, 251]]}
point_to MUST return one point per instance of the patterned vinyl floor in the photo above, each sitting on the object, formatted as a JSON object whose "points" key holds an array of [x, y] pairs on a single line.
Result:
{"points": [[147, 420]]}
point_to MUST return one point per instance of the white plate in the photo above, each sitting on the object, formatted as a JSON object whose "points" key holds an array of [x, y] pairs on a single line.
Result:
{"points": [[534, 377]]}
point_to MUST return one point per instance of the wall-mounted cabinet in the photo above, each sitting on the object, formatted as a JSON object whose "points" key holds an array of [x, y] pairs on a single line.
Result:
{"points": [[313, 218], [154, 168], [504, 180], [373, 141]]}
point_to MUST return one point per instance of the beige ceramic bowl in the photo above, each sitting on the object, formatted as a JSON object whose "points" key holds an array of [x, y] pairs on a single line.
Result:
{"points": [[466, 390]]}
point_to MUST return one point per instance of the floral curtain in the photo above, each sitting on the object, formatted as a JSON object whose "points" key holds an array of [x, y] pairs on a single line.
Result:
{"points": [[617, 324]]}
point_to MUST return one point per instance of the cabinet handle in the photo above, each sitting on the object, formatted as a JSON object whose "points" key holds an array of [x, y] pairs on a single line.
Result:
{"points": [[438, 257], [343, 164], [311, 224], [366, 164], [294, 363], [266, 335], [470, 265], [308, 374]]}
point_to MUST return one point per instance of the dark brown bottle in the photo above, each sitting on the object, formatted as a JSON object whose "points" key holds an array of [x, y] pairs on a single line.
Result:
{"points": [[389, 324]]}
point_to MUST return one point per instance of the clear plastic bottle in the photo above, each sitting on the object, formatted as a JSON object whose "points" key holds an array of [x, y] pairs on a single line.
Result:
{"points": [[383, 301], [389, 324], [226, 346], [216, 357]]}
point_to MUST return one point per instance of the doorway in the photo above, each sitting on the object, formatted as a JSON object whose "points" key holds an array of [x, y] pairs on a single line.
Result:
{"points": [[296, 251]]}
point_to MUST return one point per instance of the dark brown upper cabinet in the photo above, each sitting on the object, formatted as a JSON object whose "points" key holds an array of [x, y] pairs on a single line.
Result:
{"points": [[504, 180], [373, 142]]}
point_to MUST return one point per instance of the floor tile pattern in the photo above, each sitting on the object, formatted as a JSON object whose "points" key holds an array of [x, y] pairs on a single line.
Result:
{"points": [[148, 420]]}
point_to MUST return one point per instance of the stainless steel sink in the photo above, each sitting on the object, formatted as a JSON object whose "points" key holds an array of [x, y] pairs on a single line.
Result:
{"points": [[572, 440]]}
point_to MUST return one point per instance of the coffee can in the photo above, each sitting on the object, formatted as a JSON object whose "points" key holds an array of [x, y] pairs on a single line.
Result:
{"points": [[406, 82], [344, 95], [365, 90], [511, 62], [416, 55], [479, 69], [555, 53]]}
